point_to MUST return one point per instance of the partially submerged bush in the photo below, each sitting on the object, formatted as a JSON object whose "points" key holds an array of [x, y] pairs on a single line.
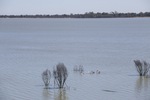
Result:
{"points": [[142, 67], [46, 75], [79, 68], [60, 74]]}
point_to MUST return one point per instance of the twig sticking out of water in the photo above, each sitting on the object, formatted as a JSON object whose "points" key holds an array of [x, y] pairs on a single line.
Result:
{"points": [[142, 67]]}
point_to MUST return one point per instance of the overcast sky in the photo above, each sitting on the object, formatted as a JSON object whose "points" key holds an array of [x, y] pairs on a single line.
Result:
{"points": [[71, 6]]}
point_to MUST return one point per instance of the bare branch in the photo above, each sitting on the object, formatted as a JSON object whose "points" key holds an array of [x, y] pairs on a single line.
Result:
{"points": [[142, 67], [60, 74], [79, 68], [46, 75]]}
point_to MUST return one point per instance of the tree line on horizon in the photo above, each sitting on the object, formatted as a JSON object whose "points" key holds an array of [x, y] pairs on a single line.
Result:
{"points": [[85, 15]]}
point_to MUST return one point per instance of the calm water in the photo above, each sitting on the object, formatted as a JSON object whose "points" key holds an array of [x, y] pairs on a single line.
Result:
{"points": [[29, 46]]}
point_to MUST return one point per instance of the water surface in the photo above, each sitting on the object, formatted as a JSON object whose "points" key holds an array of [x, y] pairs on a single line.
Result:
{"points": [[29, 46]]}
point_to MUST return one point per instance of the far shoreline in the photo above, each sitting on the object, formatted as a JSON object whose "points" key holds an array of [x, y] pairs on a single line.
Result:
{"points": [[85, 15]]}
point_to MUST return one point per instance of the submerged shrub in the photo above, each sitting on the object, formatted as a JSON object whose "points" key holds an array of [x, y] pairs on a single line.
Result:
{"points": [[46, 75], [78, 68], [60, 74], [142, 67]]}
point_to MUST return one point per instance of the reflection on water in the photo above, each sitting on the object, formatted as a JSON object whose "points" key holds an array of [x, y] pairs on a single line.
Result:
{"points": [[60, 94], [142, 88], [142, 84], [46, 94], [55, 94]]}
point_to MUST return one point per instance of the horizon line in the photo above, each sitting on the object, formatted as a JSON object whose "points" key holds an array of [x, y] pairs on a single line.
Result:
{"points": [[78, 13]]}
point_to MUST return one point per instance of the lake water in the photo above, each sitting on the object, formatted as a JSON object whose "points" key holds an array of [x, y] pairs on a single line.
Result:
{"points": [[29, 46]]}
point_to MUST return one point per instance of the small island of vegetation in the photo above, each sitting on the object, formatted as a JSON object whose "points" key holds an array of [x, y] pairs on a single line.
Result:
{"points": [[85, 15]]}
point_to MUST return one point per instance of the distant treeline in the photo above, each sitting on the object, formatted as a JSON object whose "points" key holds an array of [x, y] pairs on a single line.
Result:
{"points": [[86, 15]]}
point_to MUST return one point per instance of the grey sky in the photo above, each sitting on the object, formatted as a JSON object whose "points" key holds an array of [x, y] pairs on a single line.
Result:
{"points": [[71, 6]]}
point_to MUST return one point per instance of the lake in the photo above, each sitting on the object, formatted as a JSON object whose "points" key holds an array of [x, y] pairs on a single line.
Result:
{"points": [[29, 46]]}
